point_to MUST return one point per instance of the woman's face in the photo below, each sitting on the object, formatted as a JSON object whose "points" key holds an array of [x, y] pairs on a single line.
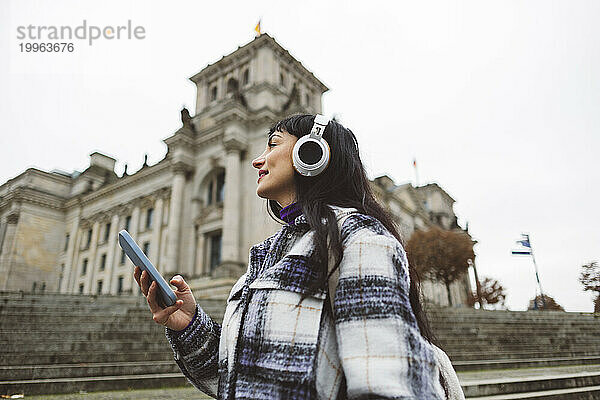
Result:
{"points": [[276, 160]]}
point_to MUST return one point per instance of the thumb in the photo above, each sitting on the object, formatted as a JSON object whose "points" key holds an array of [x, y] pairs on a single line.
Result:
{"points": [[179, 283]]}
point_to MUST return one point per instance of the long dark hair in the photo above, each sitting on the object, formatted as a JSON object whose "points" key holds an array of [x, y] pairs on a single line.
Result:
{"points": [[344, 183]]}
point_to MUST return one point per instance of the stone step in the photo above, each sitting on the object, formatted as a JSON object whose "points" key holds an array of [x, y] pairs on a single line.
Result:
{"points": [[75, 316], [515, 336], [142, 345], [479, 365], [500, 329], [20, 336], [517, 347], [492, 355], [450, 311], [483, 357], [10, 319], [103, 301], [26, 372], [497, 327], [583, 393], [498, 323], [145, 325], [504, 329], [95, 383], [64, 299], [52, 357], [520, 349], [488, 387], [474, 315], [70, 309], [517, 341], [62, 308], [85, 325]]}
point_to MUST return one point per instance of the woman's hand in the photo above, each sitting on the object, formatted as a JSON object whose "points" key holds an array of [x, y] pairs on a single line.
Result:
{"points": [[175, 317]]}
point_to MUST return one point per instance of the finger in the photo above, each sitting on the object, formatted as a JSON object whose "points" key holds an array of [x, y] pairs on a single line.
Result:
{"points": [[137, 272], [145, 280], [179, 283], [151, 298], [163, 315]]}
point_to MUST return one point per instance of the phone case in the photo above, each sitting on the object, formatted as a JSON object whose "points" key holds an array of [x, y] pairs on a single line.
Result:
{"points": [[166, 297]]}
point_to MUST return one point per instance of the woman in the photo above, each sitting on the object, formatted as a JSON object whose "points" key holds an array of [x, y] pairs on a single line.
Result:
{"points": [[280, 336]]}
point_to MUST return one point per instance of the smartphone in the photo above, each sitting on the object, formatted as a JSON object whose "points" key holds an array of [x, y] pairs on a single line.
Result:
{"points": [[166, 297]]}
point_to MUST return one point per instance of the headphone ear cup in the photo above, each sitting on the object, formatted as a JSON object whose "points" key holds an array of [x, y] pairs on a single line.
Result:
{"points": [[310, 156], [311, 153], [327, 154]]}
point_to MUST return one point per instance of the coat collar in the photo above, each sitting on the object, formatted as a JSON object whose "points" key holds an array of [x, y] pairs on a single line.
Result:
{"points": [[294, 262], [339, 212]]}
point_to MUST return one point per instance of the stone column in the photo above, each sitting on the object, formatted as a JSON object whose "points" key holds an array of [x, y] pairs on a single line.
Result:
{"points": [[70, 267], [230, 243], [133, 231], [7, 249], [172, 266], [75, 262], [199, 253], [2, 234], [92, 265], [110, 256], [156, 230]]}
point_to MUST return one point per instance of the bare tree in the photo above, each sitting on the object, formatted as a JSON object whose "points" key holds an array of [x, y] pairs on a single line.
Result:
{"points": [[492, 293], [440, 255], [590, 279]]}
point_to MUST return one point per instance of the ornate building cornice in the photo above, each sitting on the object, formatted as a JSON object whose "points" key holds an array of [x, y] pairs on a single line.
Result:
{"points": [[209, 214], [142, 174], [182, 167], [227, 63], [23, 194], [180, 139], [124, 209]]}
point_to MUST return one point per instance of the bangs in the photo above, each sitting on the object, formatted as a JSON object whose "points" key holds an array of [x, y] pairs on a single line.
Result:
{"points": [[297, 125]]}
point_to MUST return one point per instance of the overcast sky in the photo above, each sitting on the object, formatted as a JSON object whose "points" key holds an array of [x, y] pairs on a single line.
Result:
{"points": [[497, 101]]}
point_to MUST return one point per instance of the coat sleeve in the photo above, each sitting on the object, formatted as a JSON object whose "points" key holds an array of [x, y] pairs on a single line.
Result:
{"points": [[196, 351], [381, 350]]}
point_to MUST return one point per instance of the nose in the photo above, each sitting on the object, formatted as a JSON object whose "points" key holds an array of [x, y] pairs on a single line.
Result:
{"points": [[258, 162]]}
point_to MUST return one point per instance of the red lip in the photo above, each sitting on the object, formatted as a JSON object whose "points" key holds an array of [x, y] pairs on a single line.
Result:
{"points": [[260, 178], [260, 174]]}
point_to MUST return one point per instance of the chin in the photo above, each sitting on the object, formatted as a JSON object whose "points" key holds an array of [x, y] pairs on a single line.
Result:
{"points": [[262, 193]]}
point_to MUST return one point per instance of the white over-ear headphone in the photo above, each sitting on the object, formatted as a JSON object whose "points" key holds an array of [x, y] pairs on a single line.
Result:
{"points": [[311, 152]]}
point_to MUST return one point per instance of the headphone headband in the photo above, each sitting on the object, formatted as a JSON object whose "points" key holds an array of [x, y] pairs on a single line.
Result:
{"points": [[319, 126]]}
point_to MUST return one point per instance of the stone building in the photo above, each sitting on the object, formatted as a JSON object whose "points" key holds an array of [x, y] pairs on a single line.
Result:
{"points": [[196, 211]]}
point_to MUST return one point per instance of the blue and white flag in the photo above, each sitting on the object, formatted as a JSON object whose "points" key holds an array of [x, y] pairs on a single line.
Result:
{"points": [[525, 243]]}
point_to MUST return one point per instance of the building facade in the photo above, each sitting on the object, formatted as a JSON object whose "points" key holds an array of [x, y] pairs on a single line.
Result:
{"points": [[196, 211]]}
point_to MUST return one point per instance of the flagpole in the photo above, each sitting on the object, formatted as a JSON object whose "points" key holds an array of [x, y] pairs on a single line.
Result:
{"points": [[525, 242], [537, 276], [471, 263]]}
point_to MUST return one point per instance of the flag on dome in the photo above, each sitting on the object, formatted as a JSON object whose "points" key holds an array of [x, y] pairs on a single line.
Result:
{"points": [[257, 28]]}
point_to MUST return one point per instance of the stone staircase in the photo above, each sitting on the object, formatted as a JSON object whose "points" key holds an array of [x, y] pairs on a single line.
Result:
{"points": [[56, 343], [519, 355]]}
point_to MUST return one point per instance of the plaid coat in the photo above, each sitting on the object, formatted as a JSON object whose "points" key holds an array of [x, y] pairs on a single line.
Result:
{"points": [[269, 349]]}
